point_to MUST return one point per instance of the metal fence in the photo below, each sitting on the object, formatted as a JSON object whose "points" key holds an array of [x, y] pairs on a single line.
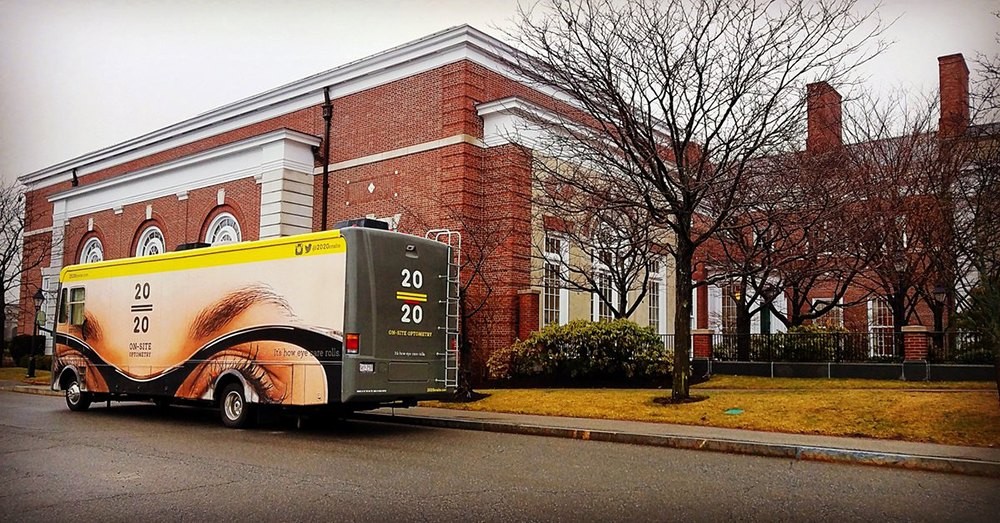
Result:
{"points": [[882, 346], [958, 347], [877, 346]]}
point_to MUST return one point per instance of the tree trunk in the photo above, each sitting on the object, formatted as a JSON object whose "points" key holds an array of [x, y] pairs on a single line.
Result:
{"points": [[3, 325], [742, 331], [682, 320], [897, 303], [996, 369], [464, 390]]}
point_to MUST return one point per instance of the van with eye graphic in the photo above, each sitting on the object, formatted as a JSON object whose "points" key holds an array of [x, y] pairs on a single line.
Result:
{"points": [[343, 320]]}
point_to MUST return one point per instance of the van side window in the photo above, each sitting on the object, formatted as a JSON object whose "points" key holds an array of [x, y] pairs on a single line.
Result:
{"points": [[63, 311], [76, 299]]}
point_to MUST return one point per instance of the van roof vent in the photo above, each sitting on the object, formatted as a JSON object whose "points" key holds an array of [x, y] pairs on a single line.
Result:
{"points": [[362, 222], [192, 245]]}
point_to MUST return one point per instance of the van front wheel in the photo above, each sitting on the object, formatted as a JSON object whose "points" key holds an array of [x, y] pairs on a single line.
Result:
{"points": [[236, 412]]}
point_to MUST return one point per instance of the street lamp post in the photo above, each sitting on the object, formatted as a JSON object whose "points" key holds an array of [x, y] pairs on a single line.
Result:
{"points": [[899, 263], [39, 298], [940, 294]]}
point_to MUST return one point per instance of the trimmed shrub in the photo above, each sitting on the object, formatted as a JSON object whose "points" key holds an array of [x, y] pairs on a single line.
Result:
{"points": [[22, 344], [587, 351], [41, 362], [812, 343]]}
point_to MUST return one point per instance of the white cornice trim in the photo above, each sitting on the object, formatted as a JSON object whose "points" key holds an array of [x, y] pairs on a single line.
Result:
{"points": [[225, 150], [428, 53], [504, 121], [282, 149]]}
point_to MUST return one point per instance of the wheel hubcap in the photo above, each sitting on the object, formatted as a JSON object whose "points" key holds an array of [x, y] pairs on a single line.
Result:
{"points": [[233, 405], [73, 393]]}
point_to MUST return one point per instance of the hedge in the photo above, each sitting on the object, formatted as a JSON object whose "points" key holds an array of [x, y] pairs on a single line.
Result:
{"points": [[583, 350]]}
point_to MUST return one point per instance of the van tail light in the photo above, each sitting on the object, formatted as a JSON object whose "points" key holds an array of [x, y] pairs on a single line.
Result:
{"points": [[352, 342]]}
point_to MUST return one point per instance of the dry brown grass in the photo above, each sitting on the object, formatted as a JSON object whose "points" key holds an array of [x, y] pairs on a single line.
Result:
{"points": [[953, 415], [751, 383], [18, 373]]}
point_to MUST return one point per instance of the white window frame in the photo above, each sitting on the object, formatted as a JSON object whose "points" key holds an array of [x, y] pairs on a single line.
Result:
{"points": [[559, 260], [728, 309], [93, 245], [598, 309], [658, 280], [218, 227], [151, 237], [879, 331], [836, 310]]}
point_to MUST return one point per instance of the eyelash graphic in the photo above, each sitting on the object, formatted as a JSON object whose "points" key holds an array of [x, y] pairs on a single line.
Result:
{"points": [[256, 376]]}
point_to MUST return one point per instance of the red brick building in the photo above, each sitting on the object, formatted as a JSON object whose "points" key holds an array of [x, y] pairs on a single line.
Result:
{"points": [[862, 307], [418, 136]]}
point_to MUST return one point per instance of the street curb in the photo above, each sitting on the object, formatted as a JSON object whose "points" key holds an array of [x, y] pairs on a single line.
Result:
{"points": [[30, 389], [969, 467]]}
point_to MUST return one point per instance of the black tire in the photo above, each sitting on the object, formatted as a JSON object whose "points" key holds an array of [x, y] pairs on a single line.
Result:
{"points": [[236, 413], [76, 399]]}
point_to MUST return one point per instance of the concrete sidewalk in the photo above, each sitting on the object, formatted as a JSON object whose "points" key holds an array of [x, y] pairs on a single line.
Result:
{"points": [[976, 461]]}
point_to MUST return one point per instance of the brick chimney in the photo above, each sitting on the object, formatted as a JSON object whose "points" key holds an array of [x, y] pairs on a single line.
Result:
{"points": [[953, 78], [824, 118]]}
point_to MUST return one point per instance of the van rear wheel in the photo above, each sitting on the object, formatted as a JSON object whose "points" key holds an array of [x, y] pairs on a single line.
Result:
{"points": [[235, 411], [76, 399]]}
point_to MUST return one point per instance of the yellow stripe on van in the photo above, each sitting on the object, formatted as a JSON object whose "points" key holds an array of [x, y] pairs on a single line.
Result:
{"points": [[312, 244], [410, 296]]}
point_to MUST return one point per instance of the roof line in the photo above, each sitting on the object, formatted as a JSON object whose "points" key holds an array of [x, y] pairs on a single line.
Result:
{"points": [[310, 85]]}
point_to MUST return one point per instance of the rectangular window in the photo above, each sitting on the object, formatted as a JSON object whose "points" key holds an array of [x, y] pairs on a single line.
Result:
{"points": [[555, 296], [552, 301], [76, 299], [654, 295], [728, 309], [833, 317], [63, 307], [880, 325], [602, 311]]}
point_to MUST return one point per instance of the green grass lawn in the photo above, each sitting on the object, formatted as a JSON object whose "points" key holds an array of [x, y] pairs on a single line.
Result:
{"points": [[957, 413]]}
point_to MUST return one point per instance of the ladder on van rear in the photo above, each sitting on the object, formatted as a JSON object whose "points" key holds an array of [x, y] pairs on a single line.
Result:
{"points": [[453, 316]]}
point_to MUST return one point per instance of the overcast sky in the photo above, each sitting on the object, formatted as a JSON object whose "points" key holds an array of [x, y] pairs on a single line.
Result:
{"points": [[77, 76]]}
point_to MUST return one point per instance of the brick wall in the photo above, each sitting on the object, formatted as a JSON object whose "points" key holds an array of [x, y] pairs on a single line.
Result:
{"points": [[480, 192]]}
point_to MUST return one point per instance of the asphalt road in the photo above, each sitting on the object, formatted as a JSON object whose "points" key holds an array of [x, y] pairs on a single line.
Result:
{"points": [[134, 463]]}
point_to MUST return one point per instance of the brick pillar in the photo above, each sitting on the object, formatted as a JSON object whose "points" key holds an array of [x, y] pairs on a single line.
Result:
{"points": [[915, 341], [701, 340], [527, 312]]}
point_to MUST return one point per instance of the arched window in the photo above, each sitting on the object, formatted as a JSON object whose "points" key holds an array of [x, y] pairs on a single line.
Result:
{"points": [[223, 229], [150, 242], [93, 251]]}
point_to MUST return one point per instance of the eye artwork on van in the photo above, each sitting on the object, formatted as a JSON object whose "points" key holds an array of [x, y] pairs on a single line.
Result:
{"points": [[255, 361], [91, 332], [246, 333]]}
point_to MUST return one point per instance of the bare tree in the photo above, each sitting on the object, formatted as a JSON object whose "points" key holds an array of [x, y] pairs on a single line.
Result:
{"points": [[19, 254], [484, 235], [904, 179], [795, 238], [679, 96], [604, 251], [976, 190]]}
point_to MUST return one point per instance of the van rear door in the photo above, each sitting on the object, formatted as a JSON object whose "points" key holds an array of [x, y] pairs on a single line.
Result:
{"points": [[396, 314]]}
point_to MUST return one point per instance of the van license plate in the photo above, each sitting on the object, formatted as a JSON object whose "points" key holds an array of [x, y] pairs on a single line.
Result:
{"points": [[366, 367]]}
